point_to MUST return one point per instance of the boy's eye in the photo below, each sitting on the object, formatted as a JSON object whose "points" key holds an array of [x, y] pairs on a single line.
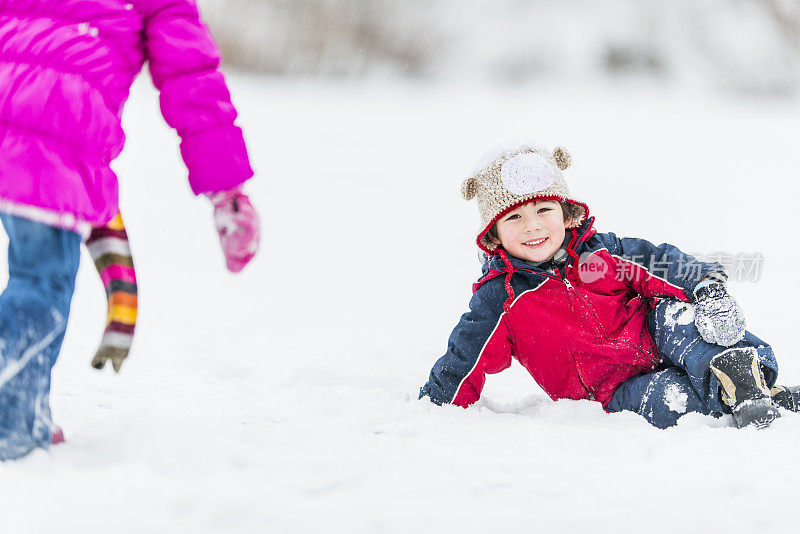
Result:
{"points": [[542, 210], [514, 216]]}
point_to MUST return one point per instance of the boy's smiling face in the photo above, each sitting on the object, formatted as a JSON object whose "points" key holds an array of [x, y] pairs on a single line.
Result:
{"points": [[533, 231]]}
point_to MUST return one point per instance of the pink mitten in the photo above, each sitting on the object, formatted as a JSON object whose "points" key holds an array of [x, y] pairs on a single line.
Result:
{"points": [[237, 225]]}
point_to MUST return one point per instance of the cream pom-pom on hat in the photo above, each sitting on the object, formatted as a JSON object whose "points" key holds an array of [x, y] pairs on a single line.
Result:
{"points": [[515, 177]]}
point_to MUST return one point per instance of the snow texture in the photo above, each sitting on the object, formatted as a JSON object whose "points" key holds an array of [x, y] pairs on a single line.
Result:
{"points": [[678, 313], [675, 399], [284, 399]]}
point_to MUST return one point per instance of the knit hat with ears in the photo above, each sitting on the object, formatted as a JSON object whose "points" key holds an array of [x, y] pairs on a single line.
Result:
{"points": [[517, 176]]}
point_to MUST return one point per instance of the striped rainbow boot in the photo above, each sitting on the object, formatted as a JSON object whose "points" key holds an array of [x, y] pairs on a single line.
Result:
{"points": [[109, 248]]}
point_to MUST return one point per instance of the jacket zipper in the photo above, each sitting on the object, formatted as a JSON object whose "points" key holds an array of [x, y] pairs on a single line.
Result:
{"points": [[570, 287], [574, 362], [588, 307]]}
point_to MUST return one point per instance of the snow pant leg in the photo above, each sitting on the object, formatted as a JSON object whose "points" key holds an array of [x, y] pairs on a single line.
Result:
{"points": [[680, 344], [661, 397], [34, 307]]}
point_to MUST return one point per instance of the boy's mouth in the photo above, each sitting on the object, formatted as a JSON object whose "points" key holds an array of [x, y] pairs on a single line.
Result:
{"points": [[533, 243]]}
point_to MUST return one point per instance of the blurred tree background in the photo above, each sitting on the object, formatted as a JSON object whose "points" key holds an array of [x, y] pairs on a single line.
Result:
{"points": [[748, 46]]}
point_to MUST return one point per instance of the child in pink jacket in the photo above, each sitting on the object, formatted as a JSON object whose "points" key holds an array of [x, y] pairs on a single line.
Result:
{"points": [[66, 68]]}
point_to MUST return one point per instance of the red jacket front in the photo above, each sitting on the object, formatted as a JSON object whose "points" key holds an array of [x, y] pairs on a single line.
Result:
{"points": [[580, 331]]}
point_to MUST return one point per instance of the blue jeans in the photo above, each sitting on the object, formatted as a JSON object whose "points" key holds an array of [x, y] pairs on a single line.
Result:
{"points": [[42, 264], [684, 382]]}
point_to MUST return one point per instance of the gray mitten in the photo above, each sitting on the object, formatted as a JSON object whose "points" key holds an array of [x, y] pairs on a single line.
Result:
{"points": [[717, 315]]}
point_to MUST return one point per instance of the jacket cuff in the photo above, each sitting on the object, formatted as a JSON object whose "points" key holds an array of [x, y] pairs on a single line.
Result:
{"points": [[217, 159], [710, 279]]}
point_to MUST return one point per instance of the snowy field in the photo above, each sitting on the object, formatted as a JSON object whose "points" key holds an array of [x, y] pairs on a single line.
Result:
{"points": [[284, 400]]}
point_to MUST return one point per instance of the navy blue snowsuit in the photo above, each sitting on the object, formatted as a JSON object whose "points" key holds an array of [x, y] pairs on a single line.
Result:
{"points": [[684, 382]]}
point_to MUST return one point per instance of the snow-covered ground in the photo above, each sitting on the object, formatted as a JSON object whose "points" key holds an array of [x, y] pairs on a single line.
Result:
{"points": [[284, 400]]}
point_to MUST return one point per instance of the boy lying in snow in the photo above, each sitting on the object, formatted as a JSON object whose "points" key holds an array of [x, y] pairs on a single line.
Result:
{"points": [[593, 316]]}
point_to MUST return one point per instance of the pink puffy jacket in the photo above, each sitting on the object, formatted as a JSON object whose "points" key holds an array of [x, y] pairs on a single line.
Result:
{"points": [[66, 67]]}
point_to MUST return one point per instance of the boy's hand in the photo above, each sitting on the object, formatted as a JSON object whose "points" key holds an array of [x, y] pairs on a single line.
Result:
{"points": [[717, 315], [237, 225]]}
